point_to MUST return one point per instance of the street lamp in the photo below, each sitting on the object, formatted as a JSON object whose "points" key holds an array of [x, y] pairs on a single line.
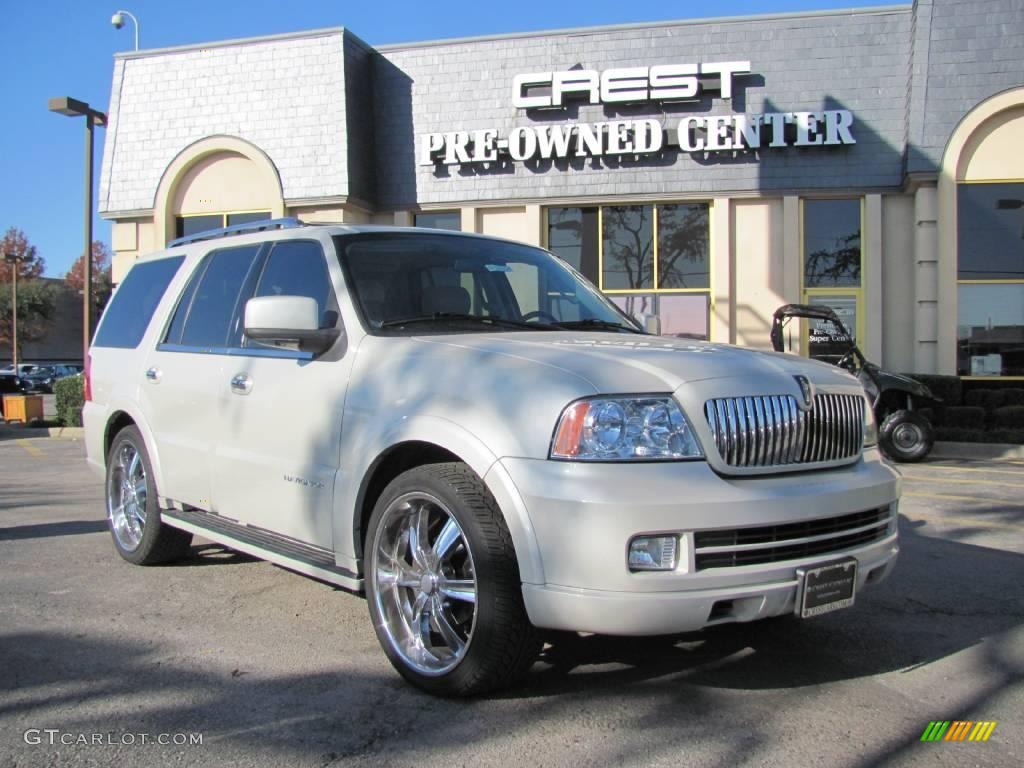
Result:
{"points": [[65, 105], [118, 21], [14, 260]]}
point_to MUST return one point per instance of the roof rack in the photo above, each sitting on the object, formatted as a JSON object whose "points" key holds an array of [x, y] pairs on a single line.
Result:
{"points": [[238, 229]]}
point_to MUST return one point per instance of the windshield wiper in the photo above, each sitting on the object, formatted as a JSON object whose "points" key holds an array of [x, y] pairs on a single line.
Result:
{"points": [[487, 319], [602, 324]]}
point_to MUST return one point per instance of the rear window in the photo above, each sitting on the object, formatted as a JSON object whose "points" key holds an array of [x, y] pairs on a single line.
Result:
{"points": [[132, 307]]}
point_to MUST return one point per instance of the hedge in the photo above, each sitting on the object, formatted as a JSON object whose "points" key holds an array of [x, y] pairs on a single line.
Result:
{"points": [[1008, 417], [952, 434], [70, 399], [965, 417]]}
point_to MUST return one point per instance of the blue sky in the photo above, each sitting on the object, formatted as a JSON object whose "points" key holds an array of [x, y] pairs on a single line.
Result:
{"points": [[66, 48]]}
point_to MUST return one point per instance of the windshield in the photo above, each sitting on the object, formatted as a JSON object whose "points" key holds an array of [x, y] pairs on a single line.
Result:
{"points": [[434, 283]]}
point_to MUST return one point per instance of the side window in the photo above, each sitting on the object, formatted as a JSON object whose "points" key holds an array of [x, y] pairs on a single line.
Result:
{"points": [[212, 306], [132, 307], [297, 268], [173, 335]]}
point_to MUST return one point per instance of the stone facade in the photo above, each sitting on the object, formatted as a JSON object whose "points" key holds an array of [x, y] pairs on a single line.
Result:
{"points": [[285, 96]]}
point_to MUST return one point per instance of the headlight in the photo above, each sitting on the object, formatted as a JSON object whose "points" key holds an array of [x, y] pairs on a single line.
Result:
{"points": [[870, 426], [624, 428]]}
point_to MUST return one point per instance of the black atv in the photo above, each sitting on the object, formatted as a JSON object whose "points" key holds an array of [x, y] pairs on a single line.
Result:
{"points": [[903, 433]]}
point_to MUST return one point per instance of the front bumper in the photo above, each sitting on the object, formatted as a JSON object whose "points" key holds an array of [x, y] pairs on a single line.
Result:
{"points": [[583, 517]]}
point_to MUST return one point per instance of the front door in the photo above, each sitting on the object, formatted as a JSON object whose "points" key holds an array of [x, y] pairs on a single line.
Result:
{"points": [[280, 425]]}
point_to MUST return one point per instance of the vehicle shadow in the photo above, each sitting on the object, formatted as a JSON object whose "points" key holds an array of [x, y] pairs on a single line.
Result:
{"points": [[208, 553], [729, 689], [944, 596]]}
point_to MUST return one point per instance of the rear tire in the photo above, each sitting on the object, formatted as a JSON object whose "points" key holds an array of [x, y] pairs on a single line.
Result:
{"points": [[443, 585], [133, 514], [906, 436]]}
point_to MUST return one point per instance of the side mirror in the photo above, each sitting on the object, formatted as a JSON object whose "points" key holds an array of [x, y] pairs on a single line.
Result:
{"points": [[288, 320], [652, 324]]}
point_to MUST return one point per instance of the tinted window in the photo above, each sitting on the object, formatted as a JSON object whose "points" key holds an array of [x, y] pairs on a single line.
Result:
{"points": [[234, 219], [831, 243], [628, 243], [990, 331], [444, 220], [683, 235], [990, 224], [130, 310], [181, 311], [213, 305], [297, 269], [572, 236], [191, 225]]}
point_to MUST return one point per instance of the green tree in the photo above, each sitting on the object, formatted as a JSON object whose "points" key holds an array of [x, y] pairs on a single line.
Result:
{"points": [[35, 297]]}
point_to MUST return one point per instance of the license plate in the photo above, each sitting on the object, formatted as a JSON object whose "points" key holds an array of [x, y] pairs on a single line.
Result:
{"points": [[826, 588]]}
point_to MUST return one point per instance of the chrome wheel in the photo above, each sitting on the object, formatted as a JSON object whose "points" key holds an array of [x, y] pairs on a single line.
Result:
{"points": [[127, 491], [425, 585], [907, 436]]}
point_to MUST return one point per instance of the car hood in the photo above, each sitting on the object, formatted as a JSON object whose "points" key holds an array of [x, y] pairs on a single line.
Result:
{"points": [[620, 363]]}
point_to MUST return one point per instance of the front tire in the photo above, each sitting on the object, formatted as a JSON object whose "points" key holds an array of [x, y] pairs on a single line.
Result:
{"points": [[906, 436], [443, 584], [140, 536]]}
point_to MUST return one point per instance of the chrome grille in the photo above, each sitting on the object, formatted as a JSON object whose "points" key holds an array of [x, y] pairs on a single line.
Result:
{"points": [[771, 430], [728, 548]]}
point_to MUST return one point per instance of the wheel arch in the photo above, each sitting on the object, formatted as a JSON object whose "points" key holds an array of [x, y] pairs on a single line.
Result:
{"points": [[124, 415], [432, 441]]}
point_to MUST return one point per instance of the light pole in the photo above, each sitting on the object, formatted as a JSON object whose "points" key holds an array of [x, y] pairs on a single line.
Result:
{"points": [[118, 21], [14, 260], [74, 108]]}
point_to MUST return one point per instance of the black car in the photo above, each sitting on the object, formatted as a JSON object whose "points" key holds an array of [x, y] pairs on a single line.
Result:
{"points": [[40, 379], [903, 433]]}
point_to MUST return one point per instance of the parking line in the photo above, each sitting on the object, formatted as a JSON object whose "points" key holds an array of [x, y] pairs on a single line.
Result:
{"points": [[961, 481], [31, 449], [974, 499]]}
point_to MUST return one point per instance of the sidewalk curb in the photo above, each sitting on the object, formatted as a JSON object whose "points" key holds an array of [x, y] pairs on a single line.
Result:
{"points": [[996, 451], [66, 433]]}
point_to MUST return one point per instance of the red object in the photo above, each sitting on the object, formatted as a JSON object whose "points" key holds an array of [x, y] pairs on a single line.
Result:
{"points": [[87, 382]]}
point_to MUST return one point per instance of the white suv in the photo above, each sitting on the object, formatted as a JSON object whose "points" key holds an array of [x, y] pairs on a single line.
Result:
{"points": [[467, 431]]}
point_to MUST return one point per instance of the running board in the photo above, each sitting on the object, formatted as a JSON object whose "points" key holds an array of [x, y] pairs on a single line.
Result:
{"points": [[280, 550]]}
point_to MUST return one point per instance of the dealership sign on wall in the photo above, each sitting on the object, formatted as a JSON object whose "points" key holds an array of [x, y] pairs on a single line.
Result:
{"points": [[643, 136]]}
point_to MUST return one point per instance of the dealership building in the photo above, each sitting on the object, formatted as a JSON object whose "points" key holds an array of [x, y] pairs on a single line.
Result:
{"points": [[705, 171]]}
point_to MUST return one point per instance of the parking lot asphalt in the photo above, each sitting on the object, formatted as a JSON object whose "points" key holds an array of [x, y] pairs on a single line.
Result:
{"points": [[271, 668]]}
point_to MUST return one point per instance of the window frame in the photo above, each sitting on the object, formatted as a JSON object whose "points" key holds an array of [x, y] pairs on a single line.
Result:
{"points": [[856, 291], [223, 217], [249, 285], [105, 318], [457, 212], [655, 291], [959, 282]]}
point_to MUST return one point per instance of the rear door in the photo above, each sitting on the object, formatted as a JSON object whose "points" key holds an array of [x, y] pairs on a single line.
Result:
{"points": [[183, 390], [280, 419]]}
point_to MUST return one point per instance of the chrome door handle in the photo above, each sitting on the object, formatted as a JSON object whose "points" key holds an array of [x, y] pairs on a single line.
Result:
{"points": [[241, 384], [154, 374]]}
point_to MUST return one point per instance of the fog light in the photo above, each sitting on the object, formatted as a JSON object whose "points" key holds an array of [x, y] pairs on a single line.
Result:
{"points": [[652, 553]]}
